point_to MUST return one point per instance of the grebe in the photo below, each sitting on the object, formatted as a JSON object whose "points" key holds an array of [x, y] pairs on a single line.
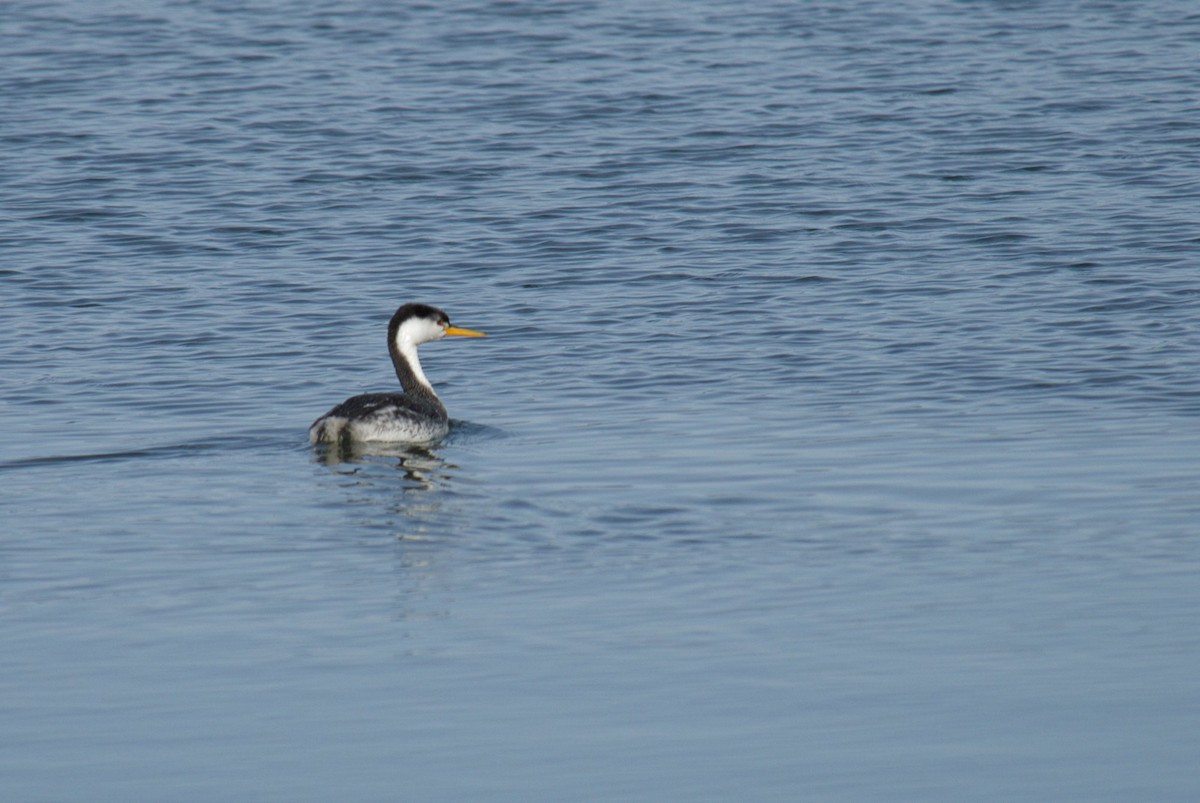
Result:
{"points": [[414, 416]]}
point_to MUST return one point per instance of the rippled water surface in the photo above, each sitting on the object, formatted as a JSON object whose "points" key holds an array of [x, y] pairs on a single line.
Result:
{"points": [[835, 438]]}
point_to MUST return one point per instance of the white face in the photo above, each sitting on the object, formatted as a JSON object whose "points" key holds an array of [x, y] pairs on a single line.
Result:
{"points": [[416, 331]]}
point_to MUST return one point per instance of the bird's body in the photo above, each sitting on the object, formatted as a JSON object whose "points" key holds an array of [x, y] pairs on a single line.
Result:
{"points": [[415, 416], [381, 417]]}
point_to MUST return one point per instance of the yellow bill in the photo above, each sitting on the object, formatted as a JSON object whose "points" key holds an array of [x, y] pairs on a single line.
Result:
{"points": [[461, 332]]}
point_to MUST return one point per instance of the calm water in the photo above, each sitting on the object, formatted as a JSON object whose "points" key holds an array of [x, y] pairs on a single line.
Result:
{"points": [[836, 437]]}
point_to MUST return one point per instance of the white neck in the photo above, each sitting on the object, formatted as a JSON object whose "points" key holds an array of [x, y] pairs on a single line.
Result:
{"points": [[408, 336], [408, 350]]}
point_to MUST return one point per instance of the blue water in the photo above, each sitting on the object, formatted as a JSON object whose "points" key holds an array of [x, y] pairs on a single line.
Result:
{"points": [[836, 435]]}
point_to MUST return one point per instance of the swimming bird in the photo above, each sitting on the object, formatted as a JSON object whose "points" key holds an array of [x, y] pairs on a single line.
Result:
{"points": [[415, 416]]}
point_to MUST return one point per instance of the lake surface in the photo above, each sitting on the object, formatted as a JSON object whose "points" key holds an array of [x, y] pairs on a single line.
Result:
{"points": [[837, 435]]}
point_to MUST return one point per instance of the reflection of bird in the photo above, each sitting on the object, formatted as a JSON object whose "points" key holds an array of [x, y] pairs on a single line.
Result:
{"points": [[414, 416]]}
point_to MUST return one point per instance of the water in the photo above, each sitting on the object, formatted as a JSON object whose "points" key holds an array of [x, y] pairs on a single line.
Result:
{"points": [[835, 437]]}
